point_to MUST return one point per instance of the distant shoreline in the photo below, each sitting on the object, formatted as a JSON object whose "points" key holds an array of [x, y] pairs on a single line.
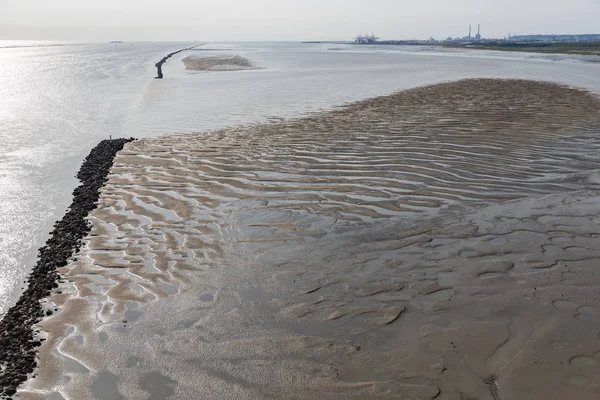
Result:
{"points": [[589, 49], [573, 48]]}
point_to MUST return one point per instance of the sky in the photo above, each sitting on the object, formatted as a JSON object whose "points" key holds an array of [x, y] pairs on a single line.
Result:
{"points": [[289, 19]]}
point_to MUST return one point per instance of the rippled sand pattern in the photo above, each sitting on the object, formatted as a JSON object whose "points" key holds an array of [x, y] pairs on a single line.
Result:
{"points": [[441, 242], [418, 150]]}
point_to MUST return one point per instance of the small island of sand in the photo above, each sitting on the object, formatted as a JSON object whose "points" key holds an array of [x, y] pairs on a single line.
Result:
{"points": [[218, 63]]}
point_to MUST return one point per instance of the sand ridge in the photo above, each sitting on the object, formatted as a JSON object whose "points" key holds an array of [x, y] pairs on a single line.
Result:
{"points": [[440, 242], [218, 63]]}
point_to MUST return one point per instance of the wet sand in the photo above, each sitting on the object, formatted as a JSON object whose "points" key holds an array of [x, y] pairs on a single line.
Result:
{"points": [[18, 340], [441, 242], [218, 63]]}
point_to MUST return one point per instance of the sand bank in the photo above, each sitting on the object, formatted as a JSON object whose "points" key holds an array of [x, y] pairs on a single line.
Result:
{"points": [[218, 63], [441, 242]]}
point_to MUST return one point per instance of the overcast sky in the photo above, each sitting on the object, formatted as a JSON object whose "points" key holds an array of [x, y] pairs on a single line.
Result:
{"points": [[289, 19]]}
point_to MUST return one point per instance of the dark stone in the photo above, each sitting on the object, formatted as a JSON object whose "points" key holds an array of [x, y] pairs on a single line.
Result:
{"points": [[158, 65], [16, 328]]}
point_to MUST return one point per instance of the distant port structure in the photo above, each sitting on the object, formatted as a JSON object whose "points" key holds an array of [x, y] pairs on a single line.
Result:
{"points": [[469, 38], [372, 39], [582, 44], [366, 39]]}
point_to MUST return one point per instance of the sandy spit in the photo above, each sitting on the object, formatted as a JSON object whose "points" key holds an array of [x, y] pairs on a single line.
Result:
{"points": [[218, 63], [441, 242]]}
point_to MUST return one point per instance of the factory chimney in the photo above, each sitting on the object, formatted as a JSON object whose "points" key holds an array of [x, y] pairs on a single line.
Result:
{"points": [[478, 36], [469, 30]]}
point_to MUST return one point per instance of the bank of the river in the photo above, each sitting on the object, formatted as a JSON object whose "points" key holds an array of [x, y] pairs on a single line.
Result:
{"points": [[589, 49]]}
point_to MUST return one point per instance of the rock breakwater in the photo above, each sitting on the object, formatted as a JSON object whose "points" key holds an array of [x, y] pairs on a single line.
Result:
{"points": [[18, 340]]}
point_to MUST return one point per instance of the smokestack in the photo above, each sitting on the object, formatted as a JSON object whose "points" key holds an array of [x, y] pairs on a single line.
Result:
{"points": [[469, 30], [478, 29]]}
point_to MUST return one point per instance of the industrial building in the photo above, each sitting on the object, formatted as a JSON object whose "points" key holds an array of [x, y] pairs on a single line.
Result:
{"points": [[470, 37], [366, 39]]}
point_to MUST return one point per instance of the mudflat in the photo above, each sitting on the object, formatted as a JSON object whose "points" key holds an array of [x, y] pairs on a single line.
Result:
{"points": [[441, 242]]}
